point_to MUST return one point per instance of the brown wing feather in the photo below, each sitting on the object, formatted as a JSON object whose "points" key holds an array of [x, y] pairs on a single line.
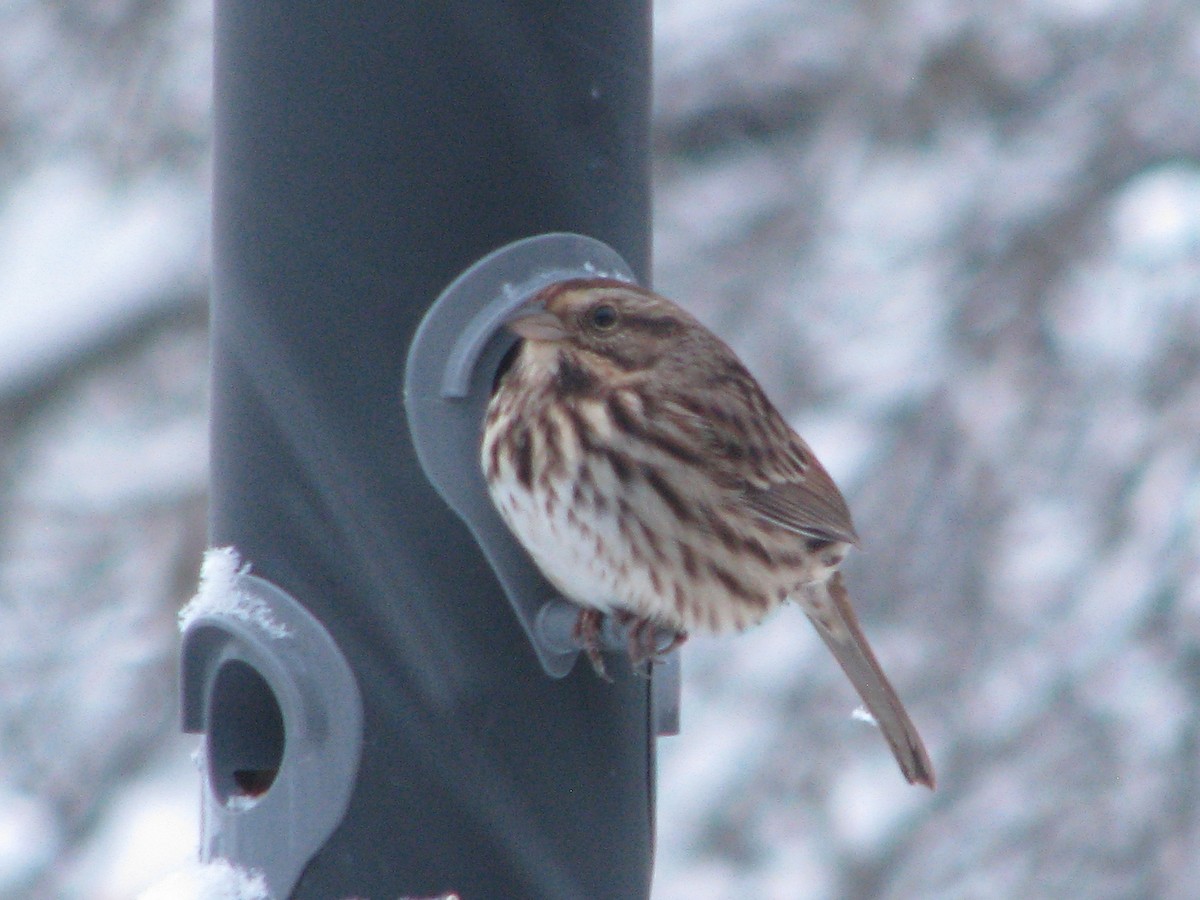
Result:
{"points": [[810, 505], [796, 494]]}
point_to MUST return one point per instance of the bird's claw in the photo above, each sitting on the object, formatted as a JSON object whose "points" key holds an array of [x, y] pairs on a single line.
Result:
{"points": [[587, 634], [644, 640]]}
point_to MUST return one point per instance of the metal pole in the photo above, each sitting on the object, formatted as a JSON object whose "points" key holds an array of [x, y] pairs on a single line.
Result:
{"points": [[365, 154]]}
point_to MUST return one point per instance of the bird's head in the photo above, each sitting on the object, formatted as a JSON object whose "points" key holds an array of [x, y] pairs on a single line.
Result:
{"points": [[605, 324]]}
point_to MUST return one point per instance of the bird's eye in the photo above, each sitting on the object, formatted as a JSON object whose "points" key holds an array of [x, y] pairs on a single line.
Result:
{"points": [[603, 317]]}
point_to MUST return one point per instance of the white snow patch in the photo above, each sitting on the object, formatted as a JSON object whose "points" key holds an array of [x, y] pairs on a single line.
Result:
{"points": [[874, 285], [216, 880], [796, 864], [700, 879], [151, 829], [869, 801], [77, 258], [733, 740], [1044, 545], [1145, 704], [896, 206], [1157, 215], [1071, 13], [862, 714], [242, 802], [28, 837], [1004, 699], [112, 465], [219, 594], [727, 197], [1119, 311], [596, 272], [685, 28]]}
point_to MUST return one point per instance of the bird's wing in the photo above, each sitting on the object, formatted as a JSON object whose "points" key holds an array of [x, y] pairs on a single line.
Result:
{"points": [[795, 493], [810, 504]]}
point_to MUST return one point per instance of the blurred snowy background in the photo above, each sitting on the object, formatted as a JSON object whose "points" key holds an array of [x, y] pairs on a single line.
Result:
{"points": [[960, 244]]}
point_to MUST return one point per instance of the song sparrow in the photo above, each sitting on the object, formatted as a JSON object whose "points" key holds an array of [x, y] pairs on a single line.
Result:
{"points": [[643, 468]]}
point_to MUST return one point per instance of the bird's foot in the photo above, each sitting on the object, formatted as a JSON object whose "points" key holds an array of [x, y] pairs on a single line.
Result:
{"points": [[587, 633], [644, 641]]}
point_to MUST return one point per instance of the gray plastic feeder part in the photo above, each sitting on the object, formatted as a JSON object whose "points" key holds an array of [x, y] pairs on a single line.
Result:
{"points": [[448, 380], [282, 719]]}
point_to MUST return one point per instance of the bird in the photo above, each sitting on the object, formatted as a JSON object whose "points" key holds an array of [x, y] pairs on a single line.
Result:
{"points": [[649, 477]]}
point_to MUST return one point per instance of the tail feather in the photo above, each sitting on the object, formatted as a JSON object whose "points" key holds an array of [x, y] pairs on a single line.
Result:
{"points": [[828, 608]]}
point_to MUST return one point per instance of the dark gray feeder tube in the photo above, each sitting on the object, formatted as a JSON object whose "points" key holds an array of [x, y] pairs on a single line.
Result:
{"points": [[365, 154]]}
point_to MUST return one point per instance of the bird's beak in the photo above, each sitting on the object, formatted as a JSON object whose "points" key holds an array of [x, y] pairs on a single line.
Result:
{"points": [[536, 323]]}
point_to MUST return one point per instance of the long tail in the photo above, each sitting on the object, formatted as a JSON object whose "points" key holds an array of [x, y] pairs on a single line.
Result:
{"points": [[828, 608]]}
